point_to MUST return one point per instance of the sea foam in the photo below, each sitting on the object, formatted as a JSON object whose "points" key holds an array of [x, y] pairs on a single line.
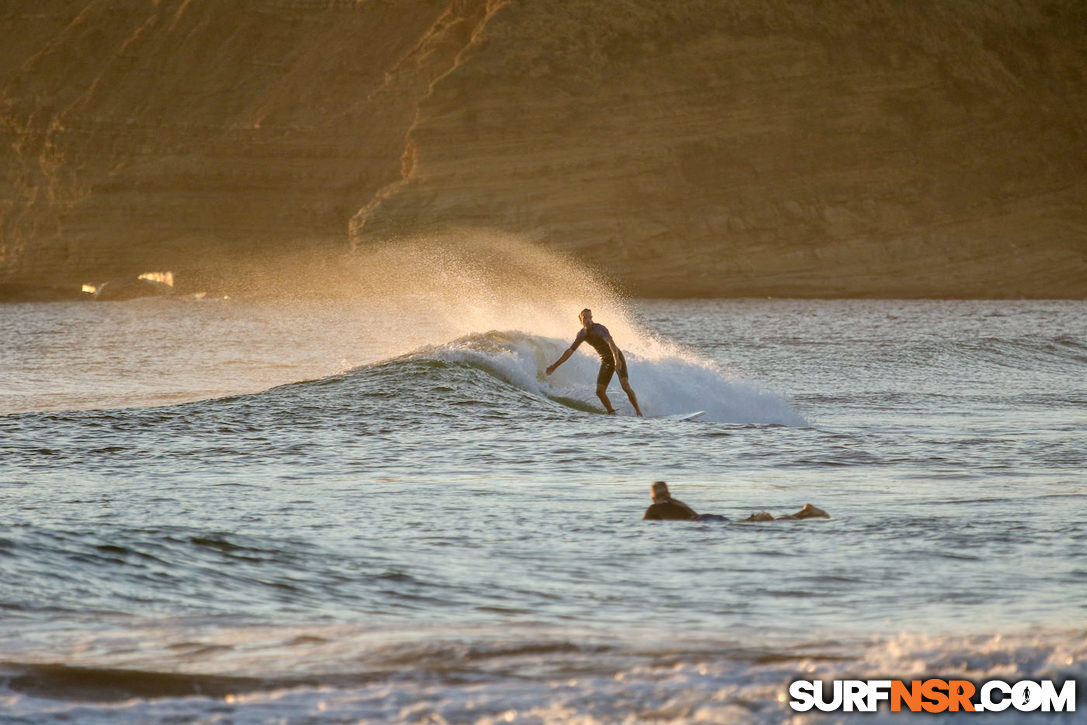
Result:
{"points": [[666, 380]]}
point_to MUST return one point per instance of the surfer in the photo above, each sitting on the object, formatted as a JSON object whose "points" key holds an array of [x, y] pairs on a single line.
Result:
{"points": [[666, 508], [611, 359]]}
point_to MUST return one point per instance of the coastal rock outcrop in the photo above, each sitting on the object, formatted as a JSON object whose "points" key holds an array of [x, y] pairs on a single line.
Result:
{"points": [[702, 147]]}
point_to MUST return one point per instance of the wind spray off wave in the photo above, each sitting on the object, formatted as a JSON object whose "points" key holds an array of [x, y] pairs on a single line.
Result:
{"points": [[437, 295], [452, 292]]}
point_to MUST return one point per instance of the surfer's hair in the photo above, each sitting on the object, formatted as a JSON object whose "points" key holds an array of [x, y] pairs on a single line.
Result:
{"points": [[660, 489], [581, 315]]}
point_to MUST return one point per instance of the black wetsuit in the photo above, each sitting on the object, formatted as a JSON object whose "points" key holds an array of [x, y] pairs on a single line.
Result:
{"points": [[673, 510], [670, 510], [599, 337]]}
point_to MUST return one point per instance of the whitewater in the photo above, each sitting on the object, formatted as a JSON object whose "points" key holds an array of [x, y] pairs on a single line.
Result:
{"points": [[380, 509]]}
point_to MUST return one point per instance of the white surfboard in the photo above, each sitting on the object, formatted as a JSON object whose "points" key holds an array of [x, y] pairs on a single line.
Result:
{"points": [[686, 416]]}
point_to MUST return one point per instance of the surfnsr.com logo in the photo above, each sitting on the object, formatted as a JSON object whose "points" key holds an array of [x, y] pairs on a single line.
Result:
{"points": [[932, 696]]}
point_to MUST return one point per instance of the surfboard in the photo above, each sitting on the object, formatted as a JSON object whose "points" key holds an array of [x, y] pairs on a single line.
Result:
{"points": [[686, 416]]}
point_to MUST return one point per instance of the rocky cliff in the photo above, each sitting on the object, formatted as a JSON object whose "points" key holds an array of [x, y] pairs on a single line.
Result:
{"points": [[698, 147]]}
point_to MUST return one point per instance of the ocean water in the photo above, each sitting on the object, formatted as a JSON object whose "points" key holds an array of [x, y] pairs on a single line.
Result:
{"points": [[381, 510]]}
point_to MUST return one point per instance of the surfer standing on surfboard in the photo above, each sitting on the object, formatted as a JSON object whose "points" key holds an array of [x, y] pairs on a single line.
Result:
{"points": [[611, 359]]}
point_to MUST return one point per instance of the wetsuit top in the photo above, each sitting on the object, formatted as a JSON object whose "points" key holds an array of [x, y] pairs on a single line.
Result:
{"points": [[670, 510], [597, 336]]}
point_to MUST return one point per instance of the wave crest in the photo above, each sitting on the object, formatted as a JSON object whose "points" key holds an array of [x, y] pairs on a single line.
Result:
{"points": [[666, 380]]}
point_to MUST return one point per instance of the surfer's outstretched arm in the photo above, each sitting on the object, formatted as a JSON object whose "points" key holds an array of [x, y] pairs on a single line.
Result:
{"points": [[565, 356]]}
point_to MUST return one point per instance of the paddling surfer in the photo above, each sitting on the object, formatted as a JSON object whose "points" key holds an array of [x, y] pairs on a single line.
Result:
{"points": [[611, 359], [666, 508]]}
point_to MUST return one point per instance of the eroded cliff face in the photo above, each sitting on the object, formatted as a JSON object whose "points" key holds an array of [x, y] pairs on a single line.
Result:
{"points": [[202, 136], [702, 147], [719, 147]]}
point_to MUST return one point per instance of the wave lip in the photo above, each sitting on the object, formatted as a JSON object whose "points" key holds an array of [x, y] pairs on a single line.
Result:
{"points": [[666, 380]]}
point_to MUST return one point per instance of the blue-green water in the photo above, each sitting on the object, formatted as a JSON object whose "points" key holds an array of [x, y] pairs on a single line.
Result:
{"points": [[247, 511]]}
